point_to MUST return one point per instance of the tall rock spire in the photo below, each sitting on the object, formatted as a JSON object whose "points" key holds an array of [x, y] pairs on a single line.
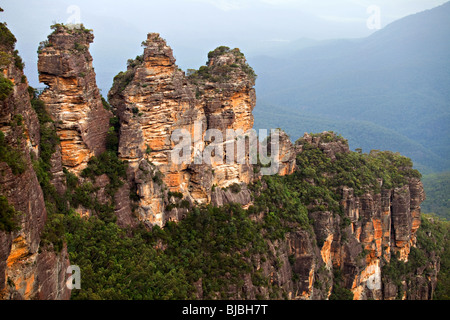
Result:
{"points": [[72, 97], [153, 98]]}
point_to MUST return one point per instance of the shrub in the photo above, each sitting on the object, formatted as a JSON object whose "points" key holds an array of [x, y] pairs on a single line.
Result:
{"points": [[42, 45], [235, 188], [6, 87], [218, 51], [106, 104], [112, 137], [7, 39], [107, 163], [11, 156], [18, 62], [339, 291], [122, 80], [80, 47], [8, 216], [5, 59], [178, 195], [70, 28], [132, 63]]}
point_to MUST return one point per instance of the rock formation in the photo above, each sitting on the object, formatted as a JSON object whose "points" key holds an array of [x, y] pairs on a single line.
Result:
{"points": [[153, 99], [72, 96], [380, 226], [156, 104], [27, 270]]}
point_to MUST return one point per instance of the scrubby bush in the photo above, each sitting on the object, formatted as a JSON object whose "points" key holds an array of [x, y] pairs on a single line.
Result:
{"points": [[14, 158], [7, 39], [6, 87], [235, 188], [8, 216]]}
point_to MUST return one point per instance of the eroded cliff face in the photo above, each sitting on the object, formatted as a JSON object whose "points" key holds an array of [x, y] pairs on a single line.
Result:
{"points": [[72, 96], [22, 275], [225, 90], [346, 247], [373, 228], [154, 99]]}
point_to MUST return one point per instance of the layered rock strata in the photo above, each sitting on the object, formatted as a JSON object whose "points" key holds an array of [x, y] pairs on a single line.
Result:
{"points": [[154, 100], [27, 270], [380, 226], [72, 97]]}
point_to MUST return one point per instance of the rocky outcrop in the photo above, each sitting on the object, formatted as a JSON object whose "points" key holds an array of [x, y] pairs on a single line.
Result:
{"points": [[154, 100], [22, 275], [349, 250], [373, 228], [158, 107], [72, 97], [284, 153], [225, 90]]}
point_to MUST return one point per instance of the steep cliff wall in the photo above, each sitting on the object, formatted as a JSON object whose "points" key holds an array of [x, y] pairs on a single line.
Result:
{"points": [[359, 223], [72, 96], [362, 227], [153, 99], [24, 214], [375, 224], [332, 223]]}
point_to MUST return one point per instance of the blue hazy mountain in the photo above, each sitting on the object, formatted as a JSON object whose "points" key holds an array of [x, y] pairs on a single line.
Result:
{"points": [[390, 90]]}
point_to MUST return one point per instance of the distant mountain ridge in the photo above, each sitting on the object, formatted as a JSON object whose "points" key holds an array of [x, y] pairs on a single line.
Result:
{"points": [[396, 79]]}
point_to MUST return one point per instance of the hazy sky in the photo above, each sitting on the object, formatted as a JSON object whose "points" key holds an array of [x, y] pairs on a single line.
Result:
{"points": [[194, 27]]}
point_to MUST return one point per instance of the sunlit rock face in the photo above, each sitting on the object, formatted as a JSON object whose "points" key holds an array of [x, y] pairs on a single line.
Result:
{"points": [[72, 97], [27, 270], [379, 226], [154, 99]]}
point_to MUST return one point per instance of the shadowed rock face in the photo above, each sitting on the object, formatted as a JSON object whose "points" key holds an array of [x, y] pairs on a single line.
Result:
{"points": [[22, 275], [72, 96]]}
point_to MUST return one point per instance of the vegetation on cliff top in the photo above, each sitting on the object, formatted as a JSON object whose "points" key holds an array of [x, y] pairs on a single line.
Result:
{"points": [[77, 28], [7, 39], [218, 73]]}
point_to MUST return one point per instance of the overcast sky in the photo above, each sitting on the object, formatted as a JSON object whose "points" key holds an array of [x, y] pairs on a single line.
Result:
{"points": [[194, 27]]}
